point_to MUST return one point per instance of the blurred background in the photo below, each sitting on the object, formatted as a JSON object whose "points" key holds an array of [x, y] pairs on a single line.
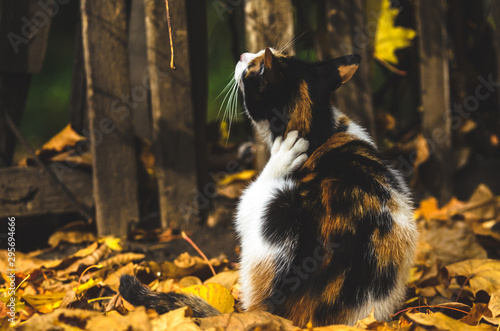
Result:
{"points": [[426, 90]]}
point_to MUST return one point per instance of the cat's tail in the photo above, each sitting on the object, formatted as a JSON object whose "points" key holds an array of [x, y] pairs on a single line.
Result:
{"points": [[139, 295]]}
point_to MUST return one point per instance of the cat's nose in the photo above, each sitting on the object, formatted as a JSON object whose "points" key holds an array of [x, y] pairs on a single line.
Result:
{"points": [[246, 57]]}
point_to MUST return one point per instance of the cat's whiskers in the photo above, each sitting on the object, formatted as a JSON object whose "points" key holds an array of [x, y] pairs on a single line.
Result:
{"points": [[230, 103]]}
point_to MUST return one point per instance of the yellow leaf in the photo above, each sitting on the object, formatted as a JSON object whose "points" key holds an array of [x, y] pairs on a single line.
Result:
{"points": [[18, 304], [439, 321], [482, 274], [216, 295], [84, 287], [113, 243], [388, 37], [44, 303], [245, 175]]}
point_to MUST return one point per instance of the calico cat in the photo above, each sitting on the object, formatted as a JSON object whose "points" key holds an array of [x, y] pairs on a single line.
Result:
{"points": [[326, 230]]}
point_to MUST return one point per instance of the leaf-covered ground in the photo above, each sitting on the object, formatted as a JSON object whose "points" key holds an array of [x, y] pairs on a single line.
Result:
{"points": [[454, 285]]}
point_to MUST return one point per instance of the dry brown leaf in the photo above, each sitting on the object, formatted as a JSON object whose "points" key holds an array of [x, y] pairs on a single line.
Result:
{"points": [[429, 209], [481, 274], [113, 280], [477, 312], [65, 137], [440, 321], [187, 265], [225, 278], [422, 149], [88, 260], [179, 319], [494, 304], [451, 242], [482, 203], [72, 237], [122, 259], [24, 263], [189, 281], [246, 321]]}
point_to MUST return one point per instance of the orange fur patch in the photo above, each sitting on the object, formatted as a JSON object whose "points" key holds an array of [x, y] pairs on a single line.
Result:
{"points": [[262, 281], [392, 247], [301, 112], [346, 72]]}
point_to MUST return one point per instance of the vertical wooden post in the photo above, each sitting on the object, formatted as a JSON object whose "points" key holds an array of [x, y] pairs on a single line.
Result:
{"points": [[173, 113], [198, 46], [346, 26], [104, 28], [495, 9], [434, 84], [24, 27], [268, 23]]}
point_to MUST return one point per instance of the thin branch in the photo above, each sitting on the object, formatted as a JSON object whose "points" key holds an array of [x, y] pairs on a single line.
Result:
{"points": [[172, 66], [184, 235], [83, 210]]}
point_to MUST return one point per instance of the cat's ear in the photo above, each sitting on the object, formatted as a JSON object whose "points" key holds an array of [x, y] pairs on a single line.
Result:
{"points": [[271, 71], [347, 66], [340, 70], [268, 59]]}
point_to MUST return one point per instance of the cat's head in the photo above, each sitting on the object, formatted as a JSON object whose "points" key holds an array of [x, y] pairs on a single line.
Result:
{"points": [[282, 93]]}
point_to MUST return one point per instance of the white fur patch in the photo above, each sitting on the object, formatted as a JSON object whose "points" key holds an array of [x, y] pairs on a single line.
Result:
{"points": [[249, 222], [354, 128]]}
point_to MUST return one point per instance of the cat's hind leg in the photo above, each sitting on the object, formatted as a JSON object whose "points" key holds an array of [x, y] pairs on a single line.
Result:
{"points": [[262, 255]]}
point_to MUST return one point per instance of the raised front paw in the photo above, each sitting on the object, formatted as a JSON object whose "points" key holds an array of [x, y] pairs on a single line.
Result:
{"points": [[286, 156]]}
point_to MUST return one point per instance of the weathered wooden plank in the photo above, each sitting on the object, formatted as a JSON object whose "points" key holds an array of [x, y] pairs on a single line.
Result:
{"points": [[30, 191], [173, 112], [104, 28], [495, 10], [198, 44], [346, 34], [13, 94], [24, 27], [434, 85], [78, 108], [268, 23]]}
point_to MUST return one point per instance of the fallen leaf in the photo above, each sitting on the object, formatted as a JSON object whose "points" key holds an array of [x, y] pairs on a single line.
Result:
{"points": [[440, 321], [72, 237], [178, 319], [481, 274], [225, 278], [478, 311], [451, 241], [494, 304], [247, 321], [216, 295]]}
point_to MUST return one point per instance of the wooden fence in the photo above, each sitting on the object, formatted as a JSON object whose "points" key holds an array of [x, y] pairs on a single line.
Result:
{"points": [[178, 101]]}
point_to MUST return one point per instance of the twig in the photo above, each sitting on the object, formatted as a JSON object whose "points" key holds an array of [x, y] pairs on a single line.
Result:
{"points": [[184, 235], [417, 307], [83, 210], [172, 66]]}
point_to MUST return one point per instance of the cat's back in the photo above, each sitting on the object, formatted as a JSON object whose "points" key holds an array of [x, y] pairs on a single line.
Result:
{"points": [[356, 215]]}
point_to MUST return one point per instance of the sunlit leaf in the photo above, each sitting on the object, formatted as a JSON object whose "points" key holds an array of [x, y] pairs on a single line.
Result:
{"points": [[216, 295]]}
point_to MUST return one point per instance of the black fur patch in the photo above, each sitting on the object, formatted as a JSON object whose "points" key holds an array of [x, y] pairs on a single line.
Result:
{"points": [[280, 218]]}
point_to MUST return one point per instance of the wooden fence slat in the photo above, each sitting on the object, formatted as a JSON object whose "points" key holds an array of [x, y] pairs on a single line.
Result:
{"points": [[495, 10], [434, 84], [268, 23], [198, 45], [30, 192], [104, 28], [173, 114], [346, 34], [24, 27]]}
